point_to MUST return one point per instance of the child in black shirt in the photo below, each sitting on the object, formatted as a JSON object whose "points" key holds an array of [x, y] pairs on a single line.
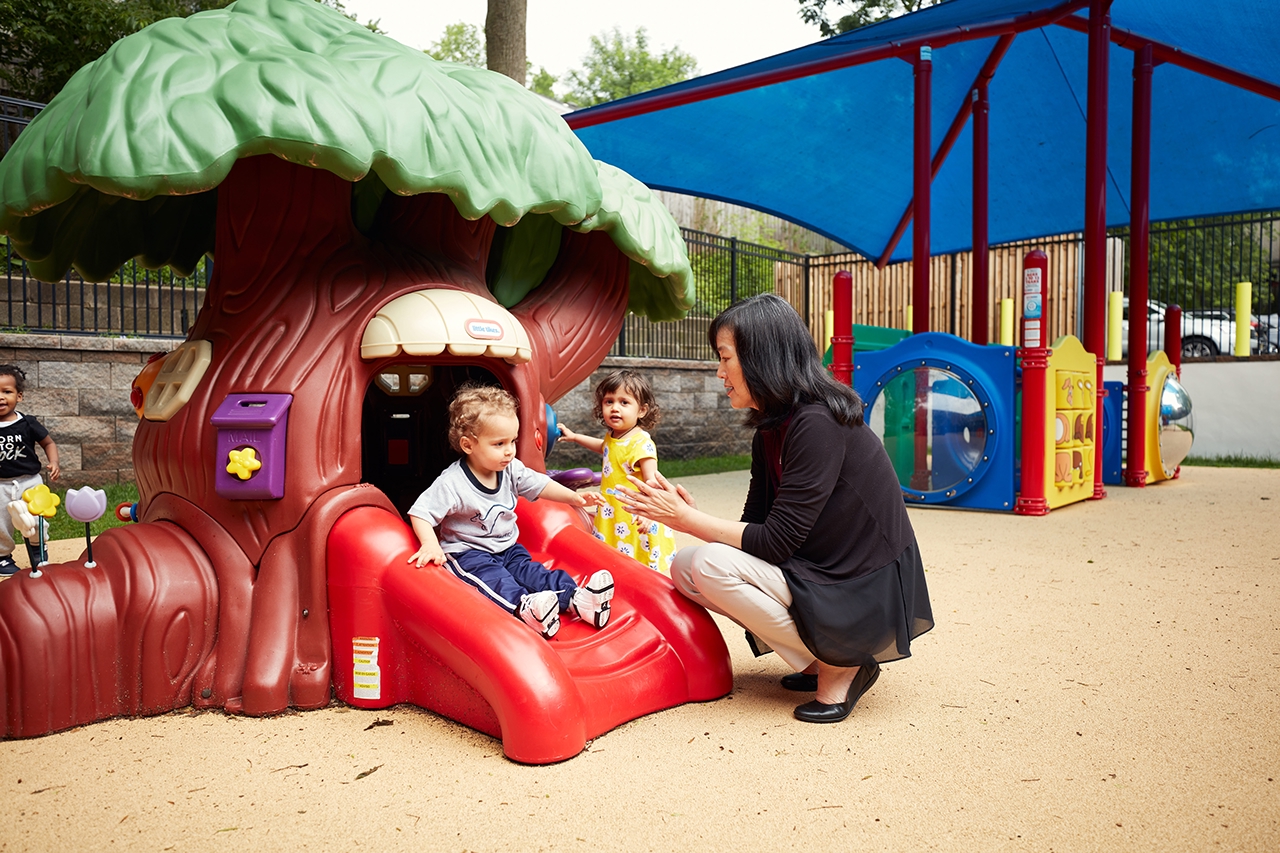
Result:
{"points": [[19, 465]]}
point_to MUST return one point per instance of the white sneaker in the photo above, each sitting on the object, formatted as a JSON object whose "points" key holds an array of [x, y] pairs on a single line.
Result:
{"points": [[591, 600], [541, 612]]}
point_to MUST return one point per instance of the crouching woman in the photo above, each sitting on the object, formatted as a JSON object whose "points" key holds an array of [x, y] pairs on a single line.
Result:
{"points": [[823, 566]]}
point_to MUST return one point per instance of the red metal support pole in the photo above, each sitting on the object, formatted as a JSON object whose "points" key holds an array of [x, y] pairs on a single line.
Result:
{"points": [[1095, 203], [1135, 469], [921, 475], [842, 327], [985, 74], [921, 174], [980, 313]]}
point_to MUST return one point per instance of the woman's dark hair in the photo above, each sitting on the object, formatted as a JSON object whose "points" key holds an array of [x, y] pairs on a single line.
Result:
{"points": [[19, 376], [635, 385], [780, 363]]}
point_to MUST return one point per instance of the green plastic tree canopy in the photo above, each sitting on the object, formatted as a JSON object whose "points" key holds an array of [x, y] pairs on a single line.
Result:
{"points": [[123, 162]]}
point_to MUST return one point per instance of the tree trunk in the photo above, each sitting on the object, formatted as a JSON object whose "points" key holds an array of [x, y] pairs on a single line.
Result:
{"points": [[504, 30]]}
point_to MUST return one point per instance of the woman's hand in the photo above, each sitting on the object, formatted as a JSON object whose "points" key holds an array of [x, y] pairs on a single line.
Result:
{"points": [[657, 500]]}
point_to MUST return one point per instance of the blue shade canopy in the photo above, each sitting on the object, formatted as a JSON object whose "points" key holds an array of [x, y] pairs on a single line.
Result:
{"points": [[830, 146]]}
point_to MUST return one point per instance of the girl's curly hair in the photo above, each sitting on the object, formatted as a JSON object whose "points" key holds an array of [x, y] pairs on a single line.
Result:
{"points": [[635, 385], [471, 405], [19, 376]]}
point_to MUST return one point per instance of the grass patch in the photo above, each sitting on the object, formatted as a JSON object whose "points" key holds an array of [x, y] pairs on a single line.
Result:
{"points": [[63, 526], [681, 467], [1231, 461], [706, 465]]}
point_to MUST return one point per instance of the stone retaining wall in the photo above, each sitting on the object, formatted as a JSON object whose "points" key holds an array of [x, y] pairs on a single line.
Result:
{"points": [[696, 417], [78, 386]]}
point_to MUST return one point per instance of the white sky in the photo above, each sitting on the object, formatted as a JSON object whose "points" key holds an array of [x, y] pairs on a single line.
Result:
{"points": [[718, 33]]}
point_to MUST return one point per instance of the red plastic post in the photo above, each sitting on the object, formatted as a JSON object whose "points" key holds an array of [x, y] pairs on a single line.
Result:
{"points": [[1035, 362], [921, 175], [1035, 273], [1173, 336], [1135, 469], [1035, 435], [842, 327]]}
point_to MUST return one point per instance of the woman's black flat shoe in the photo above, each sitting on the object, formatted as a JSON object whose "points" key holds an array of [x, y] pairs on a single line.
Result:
{"points": [[800, 682], [819, 712]]}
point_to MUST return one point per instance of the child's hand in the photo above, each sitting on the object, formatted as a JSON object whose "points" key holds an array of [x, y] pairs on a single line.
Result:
{"points": [[591, 499], [427, 554], [55, 470], [568, 434]]}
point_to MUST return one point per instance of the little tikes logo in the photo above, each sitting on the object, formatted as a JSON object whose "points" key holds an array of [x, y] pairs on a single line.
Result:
{"points": [[484, 330]]}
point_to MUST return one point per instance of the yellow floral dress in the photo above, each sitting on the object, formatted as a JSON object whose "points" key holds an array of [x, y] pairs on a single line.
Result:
{"points": [[654, 545]]}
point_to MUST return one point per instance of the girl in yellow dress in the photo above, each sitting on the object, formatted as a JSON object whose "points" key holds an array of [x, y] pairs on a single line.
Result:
{"points": [[625, 405]]}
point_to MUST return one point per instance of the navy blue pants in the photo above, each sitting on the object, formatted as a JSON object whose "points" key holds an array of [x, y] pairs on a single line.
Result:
{"points": [[507, 575]]}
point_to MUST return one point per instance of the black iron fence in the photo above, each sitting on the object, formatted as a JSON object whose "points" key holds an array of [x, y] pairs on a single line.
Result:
{"points": [[725, 270], [1199, 264], [15, 114], [135, 301]]}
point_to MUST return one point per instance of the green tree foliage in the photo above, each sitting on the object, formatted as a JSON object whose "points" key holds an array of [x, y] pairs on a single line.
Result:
{"points": [[44, 42], [460, 43], [372, 25], [620, 65], [1195, 263], [860, 12], [542, 83], [723, 277]]}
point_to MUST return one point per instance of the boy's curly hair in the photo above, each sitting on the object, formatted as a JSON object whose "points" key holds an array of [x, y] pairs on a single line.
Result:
{"points": [[635, 385], [471, 405], [19, 376]]}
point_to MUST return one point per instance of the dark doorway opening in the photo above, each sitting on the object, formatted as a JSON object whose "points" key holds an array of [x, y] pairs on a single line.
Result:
{"points": [[406, 425]]}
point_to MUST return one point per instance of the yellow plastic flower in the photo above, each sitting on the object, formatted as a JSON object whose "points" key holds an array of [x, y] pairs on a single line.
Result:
{"points": [[41, 501], [243, 463]]}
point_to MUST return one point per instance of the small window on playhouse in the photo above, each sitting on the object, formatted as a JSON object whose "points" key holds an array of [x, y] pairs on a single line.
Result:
{"points": [[405, 380]]}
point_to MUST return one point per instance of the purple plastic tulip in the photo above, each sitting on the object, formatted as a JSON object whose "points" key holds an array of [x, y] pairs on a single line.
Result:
{"points": [[86, 504]]}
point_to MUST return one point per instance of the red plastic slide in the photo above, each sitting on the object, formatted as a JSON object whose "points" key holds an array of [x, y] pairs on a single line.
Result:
{"points": [[404, 634]]}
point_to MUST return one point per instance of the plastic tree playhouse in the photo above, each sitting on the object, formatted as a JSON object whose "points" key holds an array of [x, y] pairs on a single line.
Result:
{"points": [[384, 227]]}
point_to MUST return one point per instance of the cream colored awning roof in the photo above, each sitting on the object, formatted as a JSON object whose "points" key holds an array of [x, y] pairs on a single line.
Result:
{"points": [[427, 322]]}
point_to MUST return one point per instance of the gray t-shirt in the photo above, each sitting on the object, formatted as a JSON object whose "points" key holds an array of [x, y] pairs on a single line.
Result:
{"points": [[469, 516]]}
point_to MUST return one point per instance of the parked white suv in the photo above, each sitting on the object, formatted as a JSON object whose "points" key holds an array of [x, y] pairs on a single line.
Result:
{"points": [[1204, 333]]}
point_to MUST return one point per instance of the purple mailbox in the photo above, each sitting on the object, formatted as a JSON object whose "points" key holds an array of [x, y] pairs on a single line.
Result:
{"points": [[251, 443]]}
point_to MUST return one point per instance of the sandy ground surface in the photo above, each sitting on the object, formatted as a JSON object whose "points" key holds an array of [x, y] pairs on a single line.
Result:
{"points": [[1104, 678]]}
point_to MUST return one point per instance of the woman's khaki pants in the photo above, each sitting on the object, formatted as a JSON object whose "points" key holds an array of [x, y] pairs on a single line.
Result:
{"points": [[747, 590]]}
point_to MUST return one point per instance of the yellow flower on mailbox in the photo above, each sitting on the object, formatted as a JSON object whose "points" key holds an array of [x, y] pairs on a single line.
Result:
{"points": [[243, 463]]}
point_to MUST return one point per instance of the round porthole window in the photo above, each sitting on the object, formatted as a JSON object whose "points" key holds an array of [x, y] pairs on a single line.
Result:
{"points": [[934, 420]]}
